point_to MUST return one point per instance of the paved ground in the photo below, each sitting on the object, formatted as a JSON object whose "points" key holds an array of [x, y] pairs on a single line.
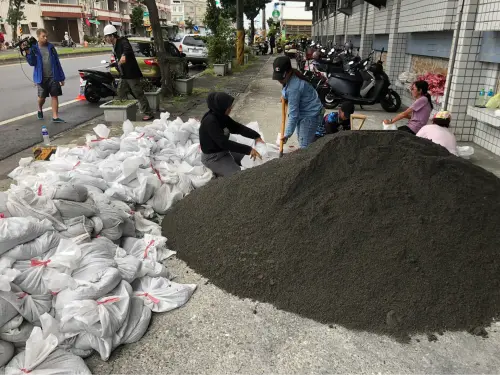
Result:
{"points": [[18, 97], [217, 333]]}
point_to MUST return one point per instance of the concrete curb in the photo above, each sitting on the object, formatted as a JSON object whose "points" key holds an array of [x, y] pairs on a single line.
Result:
{"points": [[15, 60]]}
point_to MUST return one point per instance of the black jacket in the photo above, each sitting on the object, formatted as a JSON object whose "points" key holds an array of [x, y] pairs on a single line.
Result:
{"points": [[129, 70], [216, 127]]}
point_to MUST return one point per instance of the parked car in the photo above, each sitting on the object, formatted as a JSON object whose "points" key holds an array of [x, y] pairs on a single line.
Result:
{"points": [[194, 47], [145, 54]]}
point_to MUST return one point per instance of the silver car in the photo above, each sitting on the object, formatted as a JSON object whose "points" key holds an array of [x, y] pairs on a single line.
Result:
{"points": [[194, 48]]}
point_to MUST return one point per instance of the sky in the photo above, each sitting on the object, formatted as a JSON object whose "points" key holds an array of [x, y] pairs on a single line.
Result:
{"points": [[292, 6]]}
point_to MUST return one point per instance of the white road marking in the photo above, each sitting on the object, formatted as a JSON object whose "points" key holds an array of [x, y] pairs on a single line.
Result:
{"points": [[5, 122], [23, 59]]}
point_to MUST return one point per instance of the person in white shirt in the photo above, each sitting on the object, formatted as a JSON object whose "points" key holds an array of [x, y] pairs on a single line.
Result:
{"points": [[439, 133]]}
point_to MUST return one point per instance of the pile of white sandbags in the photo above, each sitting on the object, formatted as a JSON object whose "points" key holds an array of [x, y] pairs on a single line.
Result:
{"points": [[79, 256]]}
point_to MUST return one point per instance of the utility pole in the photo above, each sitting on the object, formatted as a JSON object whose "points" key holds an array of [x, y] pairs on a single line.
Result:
{"points": [[264, 22], [240, 32]]}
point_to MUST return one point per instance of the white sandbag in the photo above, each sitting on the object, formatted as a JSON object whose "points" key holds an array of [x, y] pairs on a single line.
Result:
{"points": [[149, 247], [165, 197], [23, 202], [199, 181], [77, 226], [7, 275], [15, 231], [465, 151], [18, 336], [71, 192], [102, 317], [102, 131], [50, 272], [87, 342], [390, 127], [42, 357], [78, 178], [28, 166], [127, 127], [161, 294], [6, 352], [71, 209], [193, 155], [137, 323], [146, 226], [128, 265], [96, 257], [7, 312], [152, 269], [31, 307], [4, 212], [14, 323], [36, 247], [102, 283]]}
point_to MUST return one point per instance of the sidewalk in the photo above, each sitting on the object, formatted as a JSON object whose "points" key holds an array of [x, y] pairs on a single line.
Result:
{"points": [[217, 333]]}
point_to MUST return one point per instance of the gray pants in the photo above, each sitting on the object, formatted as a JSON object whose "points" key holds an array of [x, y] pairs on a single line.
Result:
{"points": [[223, 163], [134, 85]]}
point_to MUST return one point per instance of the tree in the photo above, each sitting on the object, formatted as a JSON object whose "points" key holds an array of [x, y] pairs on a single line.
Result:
{"points": [[137, 17], [16, 14], [251, 8], [167, 86], [189, 24], [212, 16]]}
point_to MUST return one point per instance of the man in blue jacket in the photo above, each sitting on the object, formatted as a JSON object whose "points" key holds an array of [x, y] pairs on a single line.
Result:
{"points": [[48, 73]]}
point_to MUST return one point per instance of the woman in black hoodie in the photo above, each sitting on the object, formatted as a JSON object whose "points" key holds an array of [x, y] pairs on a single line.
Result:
{"points": [[220, 154]]}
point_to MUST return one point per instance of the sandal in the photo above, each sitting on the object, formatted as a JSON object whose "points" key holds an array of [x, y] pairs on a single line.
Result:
{"points": [[148, 118]]}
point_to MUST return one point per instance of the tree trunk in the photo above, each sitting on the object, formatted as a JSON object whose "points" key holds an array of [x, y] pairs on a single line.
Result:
{"points": [[252, 30], [14, 32], [167, 86]]}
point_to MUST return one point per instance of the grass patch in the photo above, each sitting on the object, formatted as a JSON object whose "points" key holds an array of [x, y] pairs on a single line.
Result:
{"points": [[121, 102], [208, 71], [61, 51], [237, 68], [200, 91]]}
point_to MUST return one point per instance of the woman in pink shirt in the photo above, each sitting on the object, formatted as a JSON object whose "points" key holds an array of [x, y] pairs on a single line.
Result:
{"points": [[439, 133], [419, 111]]}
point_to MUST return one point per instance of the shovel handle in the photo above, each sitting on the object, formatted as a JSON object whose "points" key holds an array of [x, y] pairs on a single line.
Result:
{"points": [[283, 122]]}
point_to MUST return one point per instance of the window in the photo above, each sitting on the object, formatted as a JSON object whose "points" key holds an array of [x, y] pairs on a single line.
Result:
{"points": [[143, 49], [2, 28], [25, 28], [172, 50], [193, 41], [34, 25]]}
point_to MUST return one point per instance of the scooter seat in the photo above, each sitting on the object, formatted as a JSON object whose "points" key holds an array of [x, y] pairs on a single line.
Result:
{"points": [[346, 77]]}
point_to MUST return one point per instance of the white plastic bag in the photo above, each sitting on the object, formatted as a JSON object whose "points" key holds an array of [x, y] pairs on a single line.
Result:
{"points": [[161, 294], [16, 231], [389, 126], [42, 358], [6, 352], [465, 151], [35, 248], [165, 197]]}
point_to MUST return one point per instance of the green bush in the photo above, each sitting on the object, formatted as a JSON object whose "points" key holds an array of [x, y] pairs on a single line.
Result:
{"points": [[221, 43]]}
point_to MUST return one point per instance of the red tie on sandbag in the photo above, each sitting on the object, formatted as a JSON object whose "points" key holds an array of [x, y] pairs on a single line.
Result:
{"points": [[155, 300]]}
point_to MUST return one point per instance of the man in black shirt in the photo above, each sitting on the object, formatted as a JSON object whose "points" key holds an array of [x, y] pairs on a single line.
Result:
{"points": [[130, 73]]}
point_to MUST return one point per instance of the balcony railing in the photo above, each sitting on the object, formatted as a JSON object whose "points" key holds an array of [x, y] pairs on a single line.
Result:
{"points": [[49, 9]]}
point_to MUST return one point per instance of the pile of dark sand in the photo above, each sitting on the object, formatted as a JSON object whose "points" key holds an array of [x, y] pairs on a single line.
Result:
{"points": [[376, 231]]}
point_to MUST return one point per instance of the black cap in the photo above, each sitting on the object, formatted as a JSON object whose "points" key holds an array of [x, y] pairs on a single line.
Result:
{"points": [[347, 108], [281, 66]]}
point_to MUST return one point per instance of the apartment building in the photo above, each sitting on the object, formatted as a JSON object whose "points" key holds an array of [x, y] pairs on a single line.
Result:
{"points": [[192, 9], [457, 38]]}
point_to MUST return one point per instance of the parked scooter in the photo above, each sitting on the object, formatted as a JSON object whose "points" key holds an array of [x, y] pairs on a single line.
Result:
{"points": [[98, 84], [364, 84], [68, 43]]}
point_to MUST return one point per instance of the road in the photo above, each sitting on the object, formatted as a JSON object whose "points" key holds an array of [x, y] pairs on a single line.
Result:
{"points": [[19, 128]]}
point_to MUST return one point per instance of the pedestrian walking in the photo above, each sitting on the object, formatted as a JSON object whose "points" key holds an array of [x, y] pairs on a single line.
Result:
{"points": [[48, 74], [2, 41], [130, 73], [272, 43]]}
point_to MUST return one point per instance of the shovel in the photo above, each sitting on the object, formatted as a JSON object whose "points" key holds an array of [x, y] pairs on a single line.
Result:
{"points": [[284, 110]]}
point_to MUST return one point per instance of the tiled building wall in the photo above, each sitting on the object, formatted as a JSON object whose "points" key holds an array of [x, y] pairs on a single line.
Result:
{"points": [[427, 15], [378, 21], [488, 15], [354, 21], [487, 136]]}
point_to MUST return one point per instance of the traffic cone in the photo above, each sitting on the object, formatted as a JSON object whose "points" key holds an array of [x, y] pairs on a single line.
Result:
{"points": [[81, 95]]}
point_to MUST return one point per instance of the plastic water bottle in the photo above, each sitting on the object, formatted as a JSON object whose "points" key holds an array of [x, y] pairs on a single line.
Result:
{"points": [[481, 98], [45, 135], [490, 95]]}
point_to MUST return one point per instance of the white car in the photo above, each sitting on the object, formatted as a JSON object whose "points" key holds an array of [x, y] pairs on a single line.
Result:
{"points": [[194, 48]]}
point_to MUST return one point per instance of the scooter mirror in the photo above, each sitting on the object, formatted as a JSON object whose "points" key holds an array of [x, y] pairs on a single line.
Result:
{"points": [[323, 51], [351, 62], [104, 62]]}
